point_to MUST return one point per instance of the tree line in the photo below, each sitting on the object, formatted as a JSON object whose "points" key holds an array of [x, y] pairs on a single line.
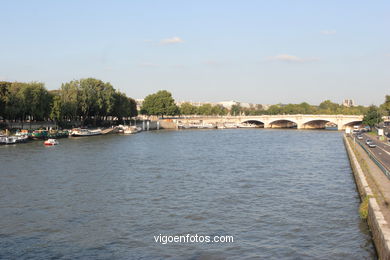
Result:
{"points": [[90, 101], [155, 106], [163, 104]]}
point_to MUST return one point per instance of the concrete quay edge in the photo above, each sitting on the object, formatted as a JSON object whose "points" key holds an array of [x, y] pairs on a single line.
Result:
{"points": [[379, 227]]}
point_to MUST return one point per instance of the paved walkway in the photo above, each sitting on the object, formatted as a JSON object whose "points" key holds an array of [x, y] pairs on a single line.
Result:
{"points": [[377, 180]]}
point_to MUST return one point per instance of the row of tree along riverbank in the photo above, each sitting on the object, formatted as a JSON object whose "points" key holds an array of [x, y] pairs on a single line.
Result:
{"points": [[86, 100], [162, 103], [94, 102]]}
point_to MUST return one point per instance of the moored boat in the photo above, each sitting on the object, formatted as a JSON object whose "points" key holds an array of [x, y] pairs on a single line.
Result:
{"points": [[12, 139], [207, 126], [6, 140], [227, 125], [132, 130], [23, 132], [197, 126], [247, 125], [58, 134], [85, 132], [39, 134], [51, 142], [22, 138]]}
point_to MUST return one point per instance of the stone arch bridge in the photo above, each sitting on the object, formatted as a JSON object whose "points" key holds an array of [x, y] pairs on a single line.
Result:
{"points": [[284, 121]]}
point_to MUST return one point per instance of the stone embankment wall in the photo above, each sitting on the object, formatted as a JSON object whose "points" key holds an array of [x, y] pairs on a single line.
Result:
{"points": [[379, 227], [167, 124], [28, 125]]}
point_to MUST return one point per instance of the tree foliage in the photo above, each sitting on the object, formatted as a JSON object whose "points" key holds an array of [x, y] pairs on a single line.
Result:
{"points": [[325, 108], [205, 109], [385, 107], [160, 103], [4, 93], [85, 99], [21, 101], [373, 116], [188, 109]]}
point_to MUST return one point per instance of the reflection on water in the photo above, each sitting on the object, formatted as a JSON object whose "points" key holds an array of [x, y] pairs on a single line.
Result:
{"points": [[282, 194]]}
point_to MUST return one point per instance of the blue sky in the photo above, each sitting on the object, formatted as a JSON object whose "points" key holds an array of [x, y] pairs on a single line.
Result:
{"points": [[251, 51]]}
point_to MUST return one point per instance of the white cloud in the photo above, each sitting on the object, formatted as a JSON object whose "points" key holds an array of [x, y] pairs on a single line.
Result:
{"points": [[172, 40], [148, 65], [214, 63], [328, 32], [291, 58], [179, 66]]}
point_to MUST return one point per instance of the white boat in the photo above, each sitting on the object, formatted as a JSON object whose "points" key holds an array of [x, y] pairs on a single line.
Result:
{"points": [[85, 132], [22, 138], [51, 142], [227, 125], [247, 125], [197, 126], [206, 126], [121, 128], [131, 130], [8, 139]]}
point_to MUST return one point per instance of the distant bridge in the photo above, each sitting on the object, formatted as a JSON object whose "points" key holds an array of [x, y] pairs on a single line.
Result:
{"points": [[283, 121]]}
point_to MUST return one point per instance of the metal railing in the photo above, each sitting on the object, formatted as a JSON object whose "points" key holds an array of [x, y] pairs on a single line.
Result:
{"points": [[374, 159]]}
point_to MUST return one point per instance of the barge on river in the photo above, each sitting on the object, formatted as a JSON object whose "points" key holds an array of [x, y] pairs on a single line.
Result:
{"points": [[84, 132]]}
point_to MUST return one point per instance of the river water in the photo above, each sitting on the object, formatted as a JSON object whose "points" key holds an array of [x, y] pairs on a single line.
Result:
{"points": [[281, 194]]}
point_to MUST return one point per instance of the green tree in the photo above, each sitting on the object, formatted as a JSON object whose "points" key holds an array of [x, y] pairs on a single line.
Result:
{"points": [[69, 100], [328, 107], [205, 109], [55, 110], [123, 106], [373, 116], [14, 102], [385, 107], [274, 110], [39, 107], [235, 110], [188, 109], [219, 110], [4, 92], [160, 104]]}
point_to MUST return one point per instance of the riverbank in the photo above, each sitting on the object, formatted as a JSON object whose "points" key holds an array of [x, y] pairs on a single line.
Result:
{"points": [[374, 189]]}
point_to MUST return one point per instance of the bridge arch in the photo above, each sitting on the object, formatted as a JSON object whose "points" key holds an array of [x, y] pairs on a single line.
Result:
{"points": [[319, 124], [283, 123], [256, 122], [351, 124]]}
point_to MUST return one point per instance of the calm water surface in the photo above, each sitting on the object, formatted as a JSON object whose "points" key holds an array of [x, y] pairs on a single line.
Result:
{"points": [[282, 194]]}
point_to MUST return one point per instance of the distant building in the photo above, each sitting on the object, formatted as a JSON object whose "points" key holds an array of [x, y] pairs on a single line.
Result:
{"points": [[348, 103], [139, 103], [197, 104], [226, 104]]}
